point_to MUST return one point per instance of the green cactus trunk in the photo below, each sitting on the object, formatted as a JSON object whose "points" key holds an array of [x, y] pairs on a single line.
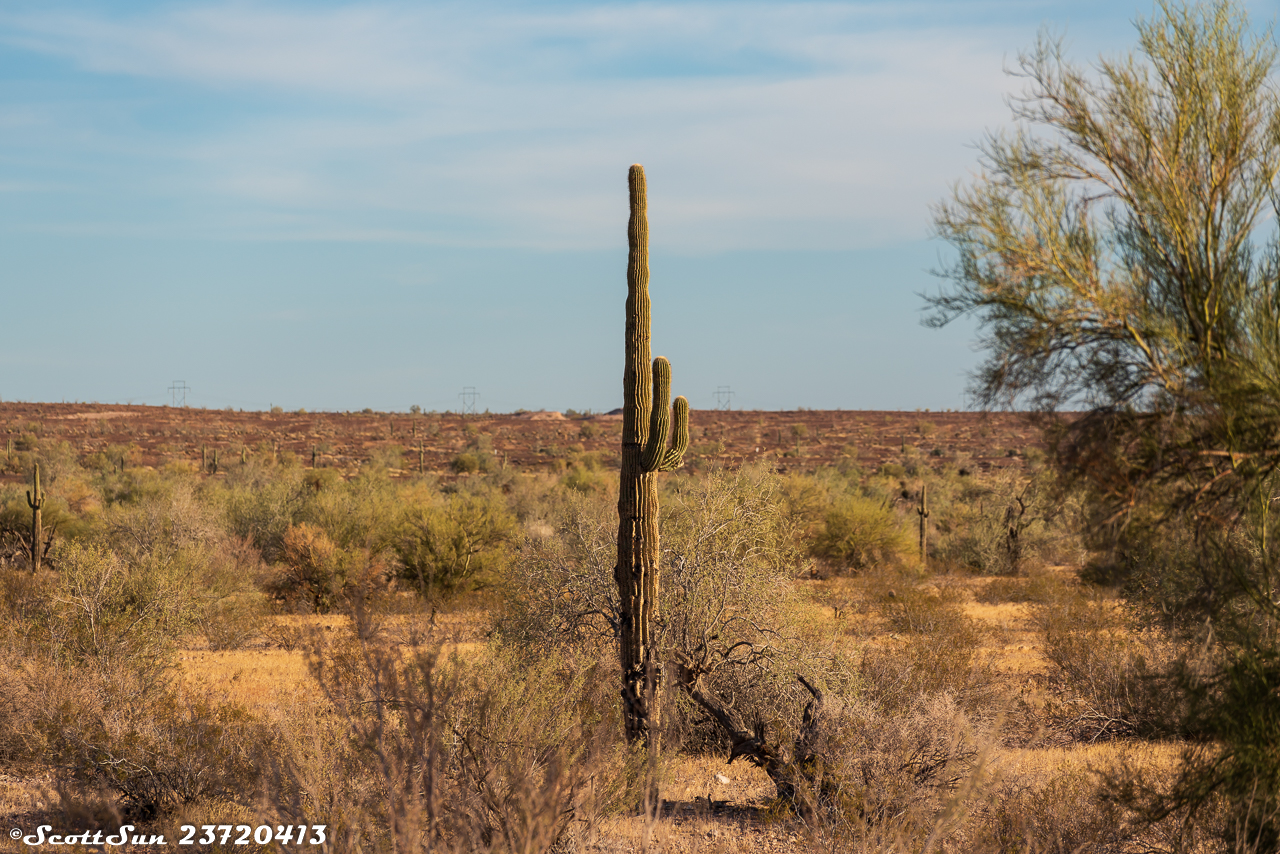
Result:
{"points": [[647, 423], [35, 500]]}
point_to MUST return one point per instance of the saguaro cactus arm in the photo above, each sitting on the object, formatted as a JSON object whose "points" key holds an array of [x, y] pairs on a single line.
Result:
{"points": [[657, 456], [36, 501], [674, 456]]}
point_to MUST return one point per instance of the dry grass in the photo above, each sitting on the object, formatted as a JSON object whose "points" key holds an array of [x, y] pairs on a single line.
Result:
{"points": [[975, 639], [260, 678]]}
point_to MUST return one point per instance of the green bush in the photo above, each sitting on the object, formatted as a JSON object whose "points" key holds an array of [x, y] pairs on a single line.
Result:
{"points": [[260, 501], [317, 575], [586, 473], [365, 512], [859, 532], [453, 543]]}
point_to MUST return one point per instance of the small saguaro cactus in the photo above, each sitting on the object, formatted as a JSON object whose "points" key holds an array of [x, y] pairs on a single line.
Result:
{"points": [[649, 421], [35, 500], [214, 469], [923, 510]]}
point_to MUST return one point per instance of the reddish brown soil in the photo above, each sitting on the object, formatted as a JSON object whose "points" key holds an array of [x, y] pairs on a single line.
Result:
{"points": [[804, 439]]}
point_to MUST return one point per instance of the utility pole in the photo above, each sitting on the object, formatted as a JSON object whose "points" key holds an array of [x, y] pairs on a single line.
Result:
{"points": [[469, 396], [724, 397], [179, 388]]}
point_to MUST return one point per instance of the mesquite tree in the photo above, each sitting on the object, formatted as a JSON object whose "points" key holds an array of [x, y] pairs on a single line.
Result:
{"points": [[647, 424]]}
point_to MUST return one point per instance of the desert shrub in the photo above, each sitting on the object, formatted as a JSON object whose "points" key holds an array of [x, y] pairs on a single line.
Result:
{"points": [[156, 748], [169, 529], [24, 597], [899, 676], [57, 459], [478, 456], [976, 541], [1181, 576], [1067, 814], [586, 473], [1113, 677], [365, 512], [233, 622], [166, 517], [317, 575], [260, 501], [388, 455], [933, 645], [882, 776], [104, 610], [57, 520], [466, 463], [1227, 785], [858, 532], [1007, 523], [806, 498], [560, 593], [431, 752], [22, 741], [728, 557], [1215, 590], [447, 545]]}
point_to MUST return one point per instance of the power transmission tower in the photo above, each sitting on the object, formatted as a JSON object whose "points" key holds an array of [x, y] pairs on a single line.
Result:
{"points": [[179, 387], [469, 398], [724, 396]]}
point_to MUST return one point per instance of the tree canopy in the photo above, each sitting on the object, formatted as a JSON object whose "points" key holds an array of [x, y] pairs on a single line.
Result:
{"points": [[1119, 248]]}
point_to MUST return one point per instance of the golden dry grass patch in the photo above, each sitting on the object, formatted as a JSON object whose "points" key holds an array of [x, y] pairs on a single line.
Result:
{"points": [[256, 678], [1038, 765], [1010, 616], [1016, 659]]}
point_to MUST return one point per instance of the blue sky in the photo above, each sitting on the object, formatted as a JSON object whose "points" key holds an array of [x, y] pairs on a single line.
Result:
{"points": [[348, 205]]}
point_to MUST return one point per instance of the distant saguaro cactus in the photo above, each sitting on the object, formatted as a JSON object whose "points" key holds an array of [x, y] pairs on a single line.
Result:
{"points": [[35, 500], [923, 510], [648, 422]]}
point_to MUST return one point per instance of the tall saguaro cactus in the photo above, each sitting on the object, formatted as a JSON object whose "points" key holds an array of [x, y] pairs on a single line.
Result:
{"points": [[648, 422], [35, 500]]}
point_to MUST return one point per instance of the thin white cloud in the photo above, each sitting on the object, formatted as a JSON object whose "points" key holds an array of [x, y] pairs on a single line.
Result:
{"points": [[764, 125]]}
